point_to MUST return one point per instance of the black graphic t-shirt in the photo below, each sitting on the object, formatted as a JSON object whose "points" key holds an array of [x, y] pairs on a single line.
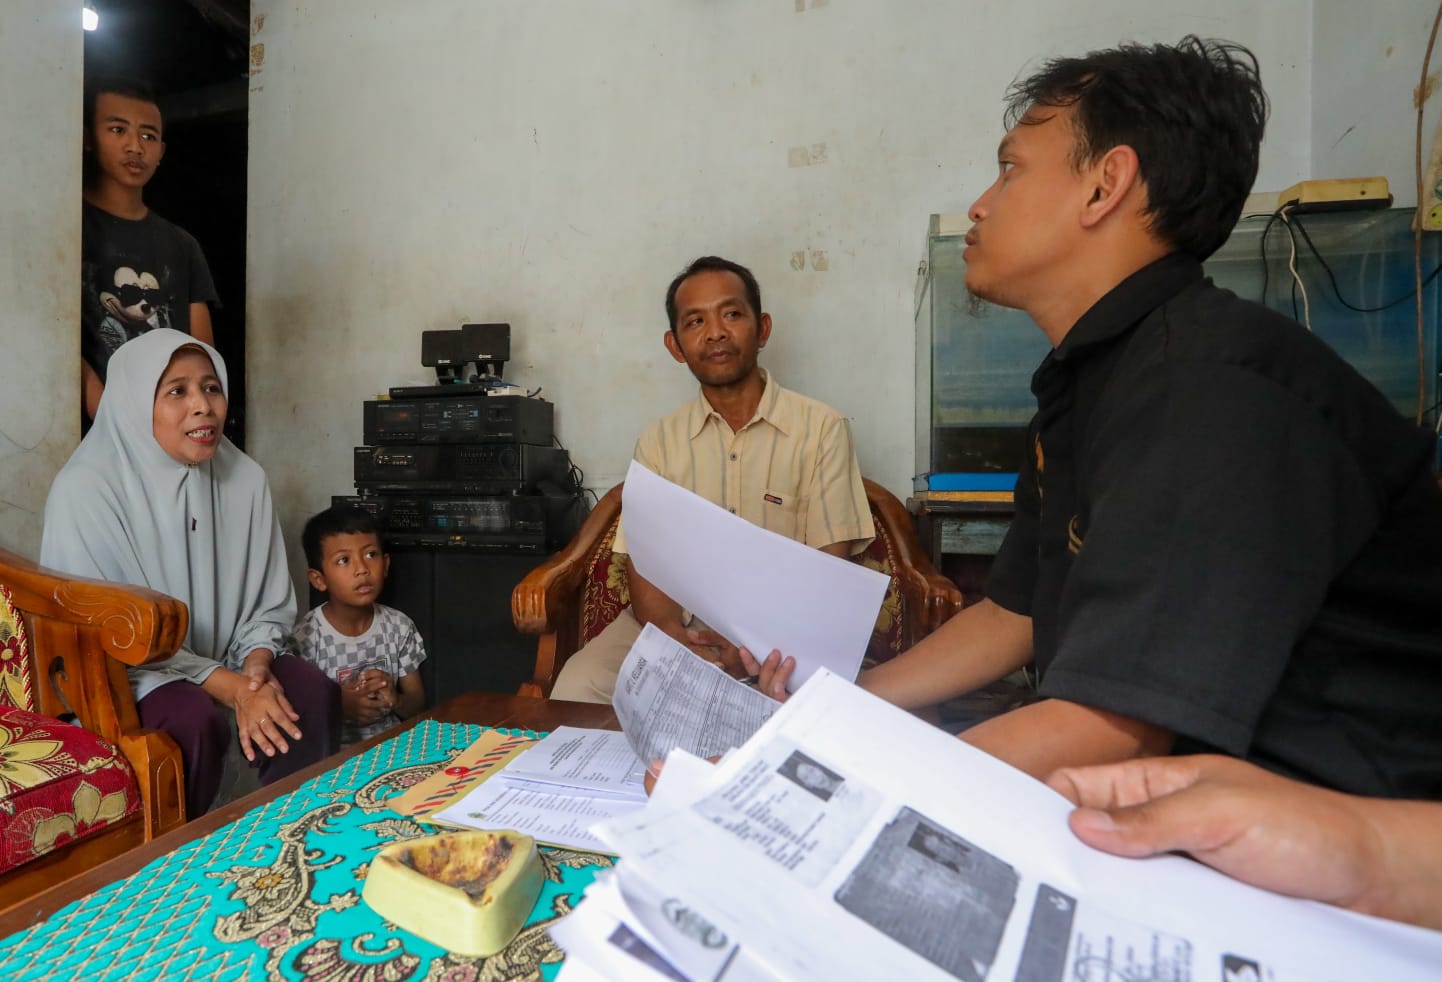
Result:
{"points": [[135, 276]]}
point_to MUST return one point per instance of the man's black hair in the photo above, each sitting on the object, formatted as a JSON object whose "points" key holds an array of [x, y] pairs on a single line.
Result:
{"points": [[115, 85], [335, 521], [1194, 113], [708, 264]]}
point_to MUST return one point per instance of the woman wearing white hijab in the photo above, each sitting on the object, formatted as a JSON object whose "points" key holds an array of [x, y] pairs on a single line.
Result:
{"points": [[156, 495]]}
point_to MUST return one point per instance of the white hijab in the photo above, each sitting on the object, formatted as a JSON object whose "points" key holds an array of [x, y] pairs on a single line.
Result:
{"points": [[123, 509]]}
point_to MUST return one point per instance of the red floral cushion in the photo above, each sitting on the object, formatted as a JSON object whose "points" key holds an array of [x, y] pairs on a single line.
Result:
{"points": [[15, 688], [605, 593], [58, 783]]}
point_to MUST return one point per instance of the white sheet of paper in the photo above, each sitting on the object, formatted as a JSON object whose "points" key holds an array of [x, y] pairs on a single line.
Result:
{"points": [[886, 848], [758, 589], [625, 929], [555, 819], [580, 758]]}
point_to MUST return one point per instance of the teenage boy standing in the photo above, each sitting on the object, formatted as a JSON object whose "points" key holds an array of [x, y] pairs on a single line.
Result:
{"points": [[137, 270]]}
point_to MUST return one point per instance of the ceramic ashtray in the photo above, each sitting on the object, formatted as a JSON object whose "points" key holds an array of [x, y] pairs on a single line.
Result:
{"points": [[468, 892]]}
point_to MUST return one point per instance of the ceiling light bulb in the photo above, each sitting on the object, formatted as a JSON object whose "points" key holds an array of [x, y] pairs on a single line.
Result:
{"points": [[88, 16]]}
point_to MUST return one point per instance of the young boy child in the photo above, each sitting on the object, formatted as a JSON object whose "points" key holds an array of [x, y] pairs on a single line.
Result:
{"points": [[372, 650], [137, 271]]}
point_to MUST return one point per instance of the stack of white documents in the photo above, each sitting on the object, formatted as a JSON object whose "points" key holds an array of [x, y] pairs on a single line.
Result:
{"points": [[849, 840], [556, 790], [666, 698]]}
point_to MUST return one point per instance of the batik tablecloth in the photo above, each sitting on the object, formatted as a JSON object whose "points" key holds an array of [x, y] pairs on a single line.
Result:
{"points": [[277, 894]]}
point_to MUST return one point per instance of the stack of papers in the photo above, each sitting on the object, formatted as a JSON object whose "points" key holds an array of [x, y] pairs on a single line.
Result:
{"points": [[849, 840], [555, 790]]}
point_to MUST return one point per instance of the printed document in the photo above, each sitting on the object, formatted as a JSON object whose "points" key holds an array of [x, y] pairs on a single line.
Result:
{"points": [[543, 812], [583, 759], [849, 840], [666, 699]]}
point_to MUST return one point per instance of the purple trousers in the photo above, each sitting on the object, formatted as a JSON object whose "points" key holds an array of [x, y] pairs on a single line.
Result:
{"points": [[202, 728]]}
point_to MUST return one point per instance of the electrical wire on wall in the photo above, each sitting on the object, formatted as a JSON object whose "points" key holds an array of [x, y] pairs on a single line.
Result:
{"points": [[1285, 214], [1421, 101]]}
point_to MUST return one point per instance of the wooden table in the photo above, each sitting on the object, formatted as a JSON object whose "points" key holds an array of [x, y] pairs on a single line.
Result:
{"points": [[485, 708]]}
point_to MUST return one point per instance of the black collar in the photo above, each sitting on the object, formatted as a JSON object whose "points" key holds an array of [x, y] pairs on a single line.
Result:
{"points": [[1131, 300]]}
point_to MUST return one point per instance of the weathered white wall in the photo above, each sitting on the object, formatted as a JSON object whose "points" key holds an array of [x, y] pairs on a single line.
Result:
{"points": [[1366, 63], [414, 166], [40, 77]]}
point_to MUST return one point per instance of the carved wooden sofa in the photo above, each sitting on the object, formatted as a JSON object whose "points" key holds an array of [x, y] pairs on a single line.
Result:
{"points": [[80, 781], [568, 599]]}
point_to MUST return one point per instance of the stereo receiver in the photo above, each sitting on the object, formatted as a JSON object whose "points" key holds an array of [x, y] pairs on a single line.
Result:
{"points": [[485, 468], [501, 523], [477, 419]]}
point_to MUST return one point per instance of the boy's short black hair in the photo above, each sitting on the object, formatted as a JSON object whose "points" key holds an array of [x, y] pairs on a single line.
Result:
{"points": [[116, 85], [707, 264], [338, 520], [1194, 112]]}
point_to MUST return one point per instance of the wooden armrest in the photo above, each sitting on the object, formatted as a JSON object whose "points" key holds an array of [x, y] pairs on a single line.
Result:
{"points": [[134, 625], [83, 633], [549, 593], [929, 598], [547, 601]]}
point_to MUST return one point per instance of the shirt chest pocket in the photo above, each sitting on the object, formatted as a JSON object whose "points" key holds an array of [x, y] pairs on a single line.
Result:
{"points": [[784, 513]]}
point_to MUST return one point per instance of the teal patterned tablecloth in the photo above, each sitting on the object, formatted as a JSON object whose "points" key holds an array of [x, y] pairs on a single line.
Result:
{"points": [[277, 893]]}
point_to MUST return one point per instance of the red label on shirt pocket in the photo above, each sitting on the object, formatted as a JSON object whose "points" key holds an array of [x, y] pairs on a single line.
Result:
{"points": [[774, 499]]}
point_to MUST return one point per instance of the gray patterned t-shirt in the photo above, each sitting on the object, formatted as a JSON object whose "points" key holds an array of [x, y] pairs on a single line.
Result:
{"points": [[391, 644]]}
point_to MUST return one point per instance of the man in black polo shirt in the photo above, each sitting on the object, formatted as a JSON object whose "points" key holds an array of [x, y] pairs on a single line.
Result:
{"points": [[1226, 539]]}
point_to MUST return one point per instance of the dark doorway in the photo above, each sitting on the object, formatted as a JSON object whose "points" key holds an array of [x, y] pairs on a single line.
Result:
{"points": [[195, 55]]}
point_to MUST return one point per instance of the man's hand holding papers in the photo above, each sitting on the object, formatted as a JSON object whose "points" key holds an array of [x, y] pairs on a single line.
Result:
{"points": [[1381, 857], [773, 675]]}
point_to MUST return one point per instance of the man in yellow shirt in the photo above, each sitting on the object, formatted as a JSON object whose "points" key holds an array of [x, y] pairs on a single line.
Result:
{"points": [[778, 459]]}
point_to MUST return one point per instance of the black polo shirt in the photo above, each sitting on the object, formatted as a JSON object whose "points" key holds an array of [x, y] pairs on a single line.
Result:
{"points": [[1224, 530]]}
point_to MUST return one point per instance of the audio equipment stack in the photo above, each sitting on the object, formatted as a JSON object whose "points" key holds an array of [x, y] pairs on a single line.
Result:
{"points": [[470, 490]]}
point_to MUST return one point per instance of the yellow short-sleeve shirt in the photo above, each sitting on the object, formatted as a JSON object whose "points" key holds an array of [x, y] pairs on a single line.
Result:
{"points": [[791, 469]]}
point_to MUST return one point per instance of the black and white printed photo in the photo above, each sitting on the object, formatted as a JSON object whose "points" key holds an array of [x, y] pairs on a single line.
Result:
{"points": [[933, 892], [807, 773]]}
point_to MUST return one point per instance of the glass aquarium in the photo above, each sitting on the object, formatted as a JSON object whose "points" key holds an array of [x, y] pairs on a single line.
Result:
{"points": [[974, 362], [973, 373], [1369, 255]]}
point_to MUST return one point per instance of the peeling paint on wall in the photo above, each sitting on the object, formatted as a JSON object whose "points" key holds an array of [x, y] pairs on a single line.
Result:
{"points": [[1424, 92], [806, 156]]}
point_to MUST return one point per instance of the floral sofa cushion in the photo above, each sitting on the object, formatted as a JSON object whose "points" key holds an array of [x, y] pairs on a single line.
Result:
{"points": [[58, 783], [605, 594]]}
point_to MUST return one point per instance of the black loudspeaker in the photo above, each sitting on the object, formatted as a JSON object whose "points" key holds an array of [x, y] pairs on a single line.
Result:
{"points": [[461, 604], [476, 639]]}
